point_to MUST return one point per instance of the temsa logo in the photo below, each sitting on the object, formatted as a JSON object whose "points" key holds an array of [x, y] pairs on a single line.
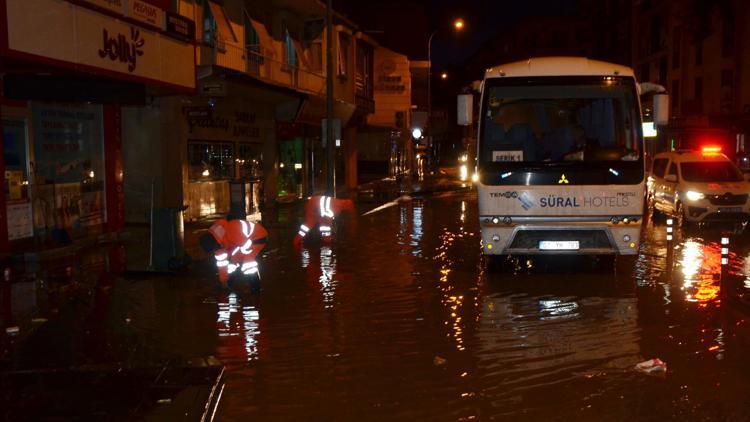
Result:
{"points": [[118, 47]]}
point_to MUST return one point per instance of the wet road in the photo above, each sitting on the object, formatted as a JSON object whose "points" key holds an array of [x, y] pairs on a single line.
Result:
{"points": [[398, 320]]}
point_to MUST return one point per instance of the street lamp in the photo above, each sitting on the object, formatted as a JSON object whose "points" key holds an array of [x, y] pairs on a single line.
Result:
{"points": [[444, 76], [458, 25]]}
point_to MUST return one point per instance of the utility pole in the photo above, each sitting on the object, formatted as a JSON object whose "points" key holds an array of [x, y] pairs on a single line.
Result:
{"points": [[330, 147]]}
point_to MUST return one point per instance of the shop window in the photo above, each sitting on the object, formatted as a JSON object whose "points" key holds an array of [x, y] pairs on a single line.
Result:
{"points": [[68, 167], [290, 168], [210, 161], [18, 208], [250, 161], [343, 53], [16, 169]]}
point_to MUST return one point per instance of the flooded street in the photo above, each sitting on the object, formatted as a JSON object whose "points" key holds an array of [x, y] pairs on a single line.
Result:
{"points": [[399, 320]]}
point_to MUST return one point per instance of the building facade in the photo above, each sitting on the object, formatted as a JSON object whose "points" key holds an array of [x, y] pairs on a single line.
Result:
{"points": [[69, 71], [700, 53], [260, 103]]}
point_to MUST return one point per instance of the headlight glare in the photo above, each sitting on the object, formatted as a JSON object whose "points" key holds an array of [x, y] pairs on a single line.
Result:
{"points": [[694, 196]]}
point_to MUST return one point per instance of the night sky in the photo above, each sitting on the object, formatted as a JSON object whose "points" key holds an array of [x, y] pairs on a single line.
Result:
{"points": [[406, 25]]}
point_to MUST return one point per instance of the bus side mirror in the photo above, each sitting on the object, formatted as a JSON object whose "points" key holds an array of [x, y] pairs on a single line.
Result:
{"points": [[465, 109], [661, 109]]}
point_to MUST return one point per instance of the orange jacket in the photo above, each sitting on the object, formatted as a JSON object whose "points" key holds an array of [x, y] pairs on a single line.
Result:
{"points": [[321, 210]]}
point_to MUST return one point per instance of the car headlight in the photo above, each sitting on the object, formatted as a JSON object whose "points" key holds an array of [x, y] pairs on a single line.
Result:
{"points": [[694, 196]]}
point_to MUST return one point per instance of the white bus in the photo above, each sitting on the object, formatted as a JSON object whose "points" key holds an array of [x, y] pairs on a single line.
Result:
{"points": [[560, 160]]}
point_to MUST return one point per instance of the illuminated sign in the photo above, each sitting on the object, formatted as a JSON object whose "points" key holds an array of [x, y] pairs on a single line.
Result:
{"points": [[649, 130]]}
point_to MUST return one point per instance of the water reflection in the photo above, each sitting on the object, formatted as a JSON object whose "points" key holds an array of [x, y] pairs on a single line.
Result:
{"points": [[327, 272], [700, 263], [238, 327], [416, 233]]}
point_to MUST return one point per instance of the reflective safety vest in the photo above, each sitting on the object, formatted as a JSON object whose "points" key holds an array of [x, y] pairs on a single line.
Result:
{"points": [[320, 210], [241, 241]]}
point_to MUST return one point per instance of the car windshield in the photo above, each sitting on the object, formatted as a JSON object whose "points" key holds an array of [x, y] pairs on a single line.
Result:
{"points": [[710, 171], [543, 123]]}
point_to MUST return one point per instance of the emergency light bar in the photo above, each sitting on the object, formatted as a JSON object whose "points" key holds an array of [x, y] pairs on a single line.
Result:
{"points": [[711, 150]]}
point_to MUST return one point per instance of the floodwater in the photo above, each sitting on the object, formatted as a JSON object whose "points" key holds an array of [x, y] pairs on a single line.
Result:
{"points": [[399, 320]]}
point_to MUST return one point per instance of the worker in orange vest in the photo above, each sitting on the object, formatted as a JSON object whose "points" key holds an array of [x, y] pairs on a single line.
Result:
{"points": [[321, 210], [235, 244]]}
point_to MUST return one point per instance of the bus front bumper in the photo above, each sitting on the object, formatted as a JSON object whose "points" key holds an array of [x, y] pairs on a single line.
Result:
{"points": [[554, 238]]}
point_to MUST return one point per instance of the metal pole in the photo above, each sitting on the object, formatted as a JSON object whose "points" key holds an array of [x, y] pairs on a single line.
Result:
{"points": [[330, 147], [429, 95], [151, 230]]}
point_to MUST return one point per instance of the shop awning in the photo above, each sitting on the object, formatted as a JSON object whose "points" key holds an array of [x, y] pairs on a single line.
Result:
{"points": [[266, 40], [304, 63], [222, 22]]}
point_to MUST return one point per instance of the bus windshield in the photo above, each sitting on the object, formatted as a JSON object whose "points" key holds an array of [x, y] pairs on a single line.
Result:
{"points": [[560, 121]]}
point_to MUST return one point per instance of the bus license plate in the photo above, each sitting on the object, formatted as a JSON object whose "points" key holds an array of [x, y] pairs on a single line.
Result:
{"points": [[558, 245]]}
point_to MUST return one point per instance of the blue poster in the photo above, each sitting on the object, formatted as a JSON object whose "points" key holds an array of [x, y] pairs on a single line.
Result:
{"points": [[68, 143]]}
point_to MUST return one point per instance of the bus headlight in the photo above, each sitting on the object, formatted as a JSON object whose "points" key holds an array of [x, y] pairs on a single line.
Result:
{"points": [[464, 172], [694, 196], [475, 177]]}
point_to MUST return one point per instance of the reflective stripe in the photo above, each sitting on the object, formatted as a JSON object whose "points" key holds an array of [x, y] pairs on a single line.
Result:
{"points": [[328, 207], [325, 228], [251, 264], [250, 271], [222, 263], [221, 256], [245, 249], [232, 267], [234, 252], [301, 233], [304, 228], [325, 206], [245, 228], [326, 234]]}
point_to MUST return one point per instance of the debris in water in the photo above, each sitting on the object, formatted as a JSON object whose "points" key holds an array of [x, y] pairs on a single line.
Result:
{"points": [[652, 366], [13, 330], [438, 361]]}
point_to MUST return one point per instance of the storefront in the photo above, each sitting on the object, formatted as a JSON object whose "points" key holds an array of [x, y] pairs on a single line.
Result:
{"points": [[226, 141], [66, 69]]}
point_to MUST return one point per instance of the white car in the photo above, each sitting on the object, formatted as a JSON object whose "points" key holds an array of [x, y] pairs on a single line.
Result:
{"points": [[698, 187]]}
